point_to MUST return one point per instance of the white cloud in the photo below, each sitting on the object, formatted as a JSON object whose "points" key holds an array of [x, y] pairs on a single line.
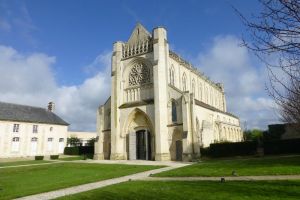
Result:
{"points": [[244, 80], [29, 79]]}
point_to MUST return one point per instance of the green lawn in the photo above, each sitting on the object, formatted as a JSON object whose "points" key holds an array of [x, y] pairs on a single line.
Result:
{"points": [[25, 162], [204, 190], [22, 181], [243, 167], [71, 158]]}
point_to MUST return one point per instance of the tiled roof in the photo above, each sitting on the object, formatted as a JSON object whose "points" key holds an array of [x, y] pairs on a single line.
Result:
{"points": [[23, 113]]}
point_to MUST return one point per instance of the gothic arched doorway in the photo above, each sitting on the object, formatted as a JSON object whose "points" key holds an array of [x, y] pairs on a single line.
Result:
{"points": [[139, 137], [143, 145]]}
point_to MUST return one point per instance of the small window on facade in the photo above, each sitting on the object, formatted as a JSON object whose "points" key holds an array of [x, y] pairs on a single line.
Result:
{"points": [[174, 112], [51, 129], [16, 139], [61, 139], [16, 128], [35, 128], [50, 139], [34, 139]]}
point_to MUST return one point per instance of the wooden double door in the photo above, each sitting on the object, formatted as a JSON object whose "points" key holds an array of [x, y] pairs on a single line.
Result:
{"points": [[143, 145]]}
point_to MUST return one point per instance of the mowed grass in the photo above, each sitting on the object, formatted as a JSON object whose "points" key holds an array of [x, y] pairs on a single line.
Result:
{"points": [[23, 181], [242, 167], [204, 190], [71, 158], [25, 162]]}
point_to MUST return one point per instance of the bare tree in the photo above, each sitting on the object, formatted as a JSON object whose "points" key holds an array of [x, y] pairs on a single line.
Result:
{"points": [[274, 37]]}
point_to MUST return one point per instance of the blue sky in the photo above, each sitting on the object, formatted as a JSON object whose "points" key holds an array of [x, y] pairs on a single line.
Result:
{"points": [[64, 47]]}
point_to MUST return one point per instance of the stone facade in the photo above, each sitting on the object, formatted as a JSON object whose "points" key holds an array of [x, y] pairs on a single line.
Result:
{"points": [[161, 107], [28, 131]]}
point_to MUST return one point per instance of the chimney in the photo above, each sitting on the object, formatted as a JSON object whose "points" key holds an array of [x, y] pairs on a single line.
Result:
{"points": [[51, 106]]}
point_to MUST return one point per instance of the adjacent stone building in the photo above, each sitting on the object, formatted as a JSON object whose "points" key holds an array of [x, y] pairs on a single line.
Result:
{"points": [[161, 107], [29, 131]]}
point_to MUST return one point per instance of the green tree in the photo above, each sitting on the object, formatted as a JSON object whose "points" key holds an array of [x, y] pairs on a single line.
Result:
{"points": [[91, 142], [254, 134], [73, 141]]}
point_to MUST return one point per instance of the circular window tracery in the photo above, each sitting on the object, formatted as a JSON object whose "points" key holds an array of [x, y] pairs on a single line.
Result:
{"points": [[139, 74]]}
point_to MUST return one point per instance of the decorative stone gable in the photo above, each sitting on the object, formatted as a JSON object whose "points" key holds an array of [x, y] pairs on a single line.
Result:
{"points": [[140, 42]]}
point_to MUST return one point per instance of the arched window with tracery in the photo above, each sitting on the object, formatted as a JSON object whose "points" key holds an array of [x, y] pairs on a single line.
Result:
{"points": [[206, 95], [172, 77], [184, 82], [139, 74], [174, 111], [193, 87], [200, 91]]}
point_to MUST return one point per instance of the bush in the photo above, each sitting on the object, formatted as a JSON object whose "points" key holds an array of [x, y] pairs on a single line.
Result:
{"points": [[71, 151], [282, 146], [204, 151], [54, 157], [81, 150], [231, 149], [39, 157]]}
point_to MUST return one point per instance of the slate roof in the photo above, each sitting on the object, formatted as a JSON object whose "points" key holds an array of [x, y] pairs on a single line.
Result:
{"points": [[202, 104], [23, 113]]}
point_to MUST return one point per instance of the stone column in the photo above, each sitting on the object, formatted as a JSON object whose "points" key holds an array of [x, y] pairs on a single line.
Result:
{"points": [[187, 129], [99, 155], [194, 137], [117, 143], [160, 69]]}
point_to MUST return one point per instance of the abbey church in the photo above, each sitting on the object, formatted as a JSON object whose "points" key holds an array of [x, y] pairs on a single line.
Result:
{"points": [[161, 107]]}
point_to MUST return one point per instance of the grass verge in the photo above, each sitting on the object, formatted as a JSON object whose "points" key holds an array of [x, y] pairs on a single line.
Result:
{"points": [[243, 167], [25, 162], [23, 181], [194, 190]]}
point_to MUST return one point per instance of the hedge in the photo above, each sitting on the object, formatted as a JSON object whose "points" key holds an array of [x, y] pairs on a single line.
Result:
{"points": [[282, 146], [230, 149], [54, 157], [39, 157], [79, 150]]}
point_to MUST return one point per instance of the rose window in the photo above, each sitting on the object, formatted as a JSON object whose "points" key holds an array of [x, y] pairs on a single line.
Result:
{"points": [[139, 74]]}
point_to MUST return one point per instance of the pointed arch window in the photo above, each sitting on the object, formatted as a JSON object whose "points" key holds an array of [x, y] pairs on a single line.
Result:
{"points": [[193, 87], [171, 75], [200, 91], [184, 82], [174, 111]]}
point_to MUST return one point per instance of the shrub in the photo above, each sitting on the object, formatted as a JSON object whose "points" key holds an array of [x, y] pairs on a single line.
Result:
{"points": [[282, 146], [204, 151], [39, 157], [71, 151], [231, 149], [79, 150], [54, 157]]}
